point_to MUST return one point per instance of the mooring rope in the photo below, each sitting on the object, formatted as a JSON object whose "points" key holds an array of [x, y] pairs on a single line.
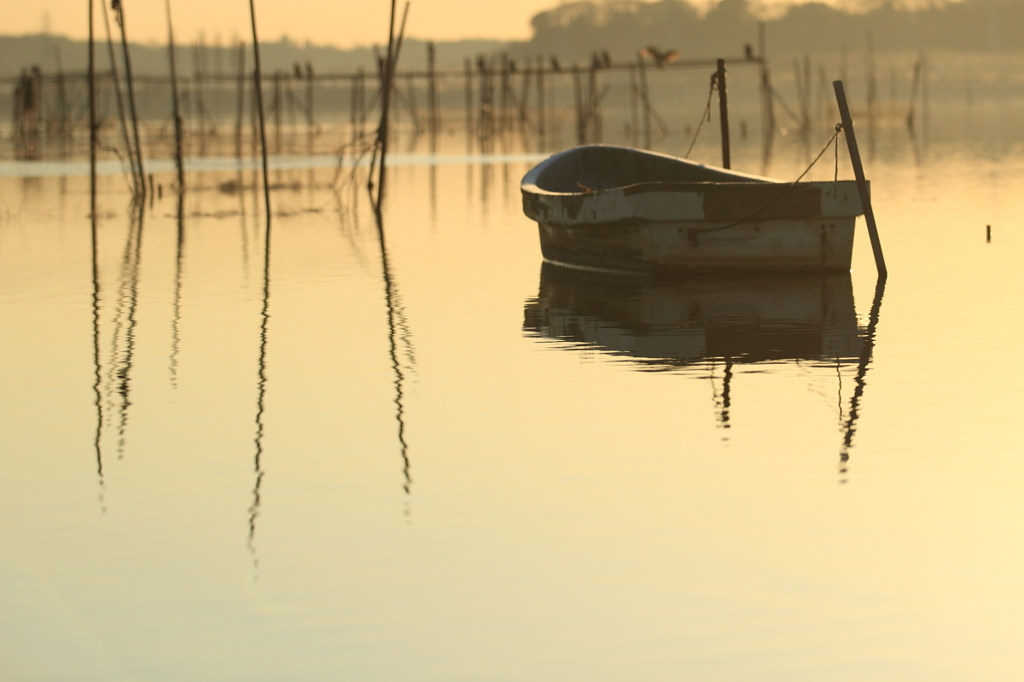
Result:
{"points": [[706, 116], [839, 128], [693, 232]]}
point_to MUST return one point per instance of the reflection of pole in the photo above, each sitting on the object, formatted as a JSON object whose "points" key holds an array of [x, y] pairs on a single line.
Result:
{"points": [[261, 388], [124, 372], [395, 322], [862, 183], [178, 260], [867, 350], [97, 376], [726, 393]]}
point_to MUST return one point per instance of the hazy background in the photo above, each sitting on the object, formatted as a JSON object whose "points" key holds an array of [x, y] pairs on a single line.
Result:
{"points": [[341, 36]]}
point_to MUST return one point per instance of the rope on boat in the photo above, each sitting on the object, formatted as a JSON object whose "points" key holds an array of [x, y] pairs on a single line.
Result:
{"points": [[693, 232], [706, 116]]}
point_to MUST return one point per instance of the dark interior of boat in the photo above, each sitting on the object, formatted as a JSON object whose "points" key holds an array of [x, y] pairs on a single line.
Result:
{"points": [[596, 168]]}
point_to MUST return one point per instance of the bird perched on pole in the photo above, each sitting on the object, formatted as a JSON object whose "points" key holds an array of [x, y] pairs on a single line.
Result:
{"points": [[660, 58]]}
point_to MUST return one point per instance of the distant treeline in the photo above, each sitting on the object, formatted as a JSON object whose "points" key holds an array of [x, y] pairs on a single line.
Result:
{"points": [[575, 30], [23, 52], [622, 27]]}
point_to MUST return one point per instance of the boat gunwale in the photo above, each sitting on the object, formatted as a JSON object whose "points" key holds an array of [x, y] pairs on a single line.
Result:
{"points": [[700, 199], [529, 182]]}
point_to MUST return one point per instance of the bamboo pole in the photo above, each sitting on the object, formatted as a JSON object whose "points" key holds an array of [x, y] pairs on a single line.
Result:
{"points": [[63, 118], [592, 119], [361, 110], [581, 130], [913, 93], [259, 108], [310, 121], [468, 71], [394, 48], [197, 70], [240, 113], [178, 151], [141, 187], [92, 122], [432, 90], [503, 117], [540, 100], [382, 129], [642, 79], [120, 98], [353, 107], [278, 112], [767, 99], [723, 111], [862, 184]]}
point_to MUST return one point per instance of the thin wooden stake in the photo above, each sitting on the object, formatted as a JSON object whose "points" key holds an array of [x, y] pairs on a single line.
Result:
{"points": [[310, 120], [240, 114], [470, 119], [141, 186], [540, 100], [178, 151], [723, 110], [432, 95], [862, 183], [92, 120], [259, 108], [120, 98], [642, 81]]}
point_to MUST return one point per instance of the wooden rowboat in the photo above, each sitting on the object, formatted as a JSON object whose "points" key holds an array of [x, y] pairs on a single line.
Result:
{"points": [[609, 208]]}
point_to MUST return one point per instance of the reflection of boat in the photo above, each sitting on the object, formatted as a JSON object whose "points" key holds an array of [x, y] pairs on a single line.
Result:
{"points": [[615, 208], [673, 323]]}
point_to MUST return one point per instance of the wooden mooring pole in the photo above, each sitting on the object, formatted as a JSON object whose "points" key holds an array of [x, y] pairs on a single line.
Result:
{"points": [[723, 110], [178, 146], [258, 91], [540, 100], [432, 95], [468, 69], [862, 183], [140, 187], [93, 127], [117, 90], [310, 119], [240, 113]]}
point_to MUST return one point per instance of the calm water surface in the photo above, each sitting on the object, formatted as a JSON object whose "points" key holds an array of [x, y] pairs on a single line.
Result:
{"points": [[447, 462]]}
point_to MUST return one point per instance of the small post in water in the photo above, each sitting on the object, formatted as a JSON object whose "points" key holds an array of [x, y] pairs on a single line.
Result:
{"points": [[723, 109], [858, 172]]}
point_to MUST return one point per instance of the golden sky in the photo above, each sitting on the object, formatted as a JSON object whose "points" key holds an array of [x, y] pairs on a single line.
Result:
{"points": [[345, 23]]}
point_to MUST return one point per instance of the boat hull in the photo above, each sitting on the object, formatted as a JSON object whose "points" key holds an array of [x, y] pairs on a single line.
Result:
{"points": [[614, 208], [694, 247]]}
